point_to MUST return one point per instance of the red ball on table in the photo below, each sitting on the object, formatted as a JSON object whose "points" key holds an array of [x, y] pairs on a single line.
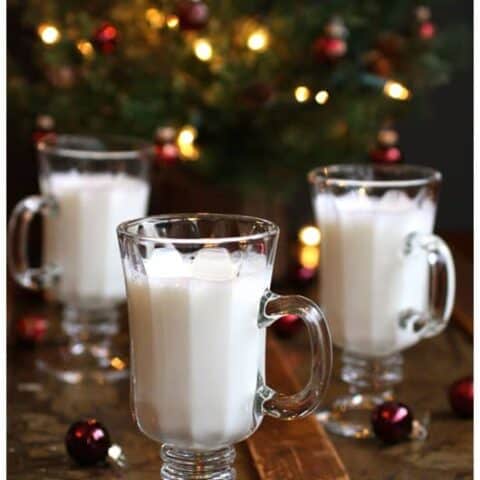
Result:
{"points": [[392, 422], [87, 442], [31, 329], [460, 395]]}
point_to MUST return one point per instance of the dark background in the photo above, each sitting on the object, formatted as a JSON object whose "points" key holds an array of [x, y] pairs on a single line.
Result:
{"points": [[441, 137]]}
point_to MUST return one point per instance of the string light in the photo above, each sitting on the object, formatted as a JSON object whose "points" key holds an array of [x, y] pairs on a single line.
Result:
{"points": [[155, 18], [48, 33], [322, 97], [187, 135], [396, 90], [202, 49], [310, 235], [309, 256], [85, 48], [258, 40], [302, 93], [189, 151], [172, 21]]}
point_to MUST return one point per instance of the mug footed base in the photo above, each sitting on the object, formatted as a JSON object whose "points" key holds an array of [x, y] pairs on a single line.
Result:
{"points": [[77, 363], [349, 416], [181, 464]]}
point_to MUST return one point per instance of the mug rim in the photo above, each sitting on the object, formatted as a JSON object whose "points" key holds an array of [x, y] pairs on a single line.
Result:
{"points": [[48, 145], [272, 229], [323, 174]]}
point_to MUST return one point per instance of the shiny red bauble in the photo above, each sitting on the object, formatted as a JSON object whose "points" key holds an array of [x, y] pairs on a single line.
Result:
{"points": [[392, 422], [192, 14], [386, 155], [87, 442], [287, 325], [31, 329], [105, 38], [167, 153], [460, 395], [329, 48], [426, 30]]}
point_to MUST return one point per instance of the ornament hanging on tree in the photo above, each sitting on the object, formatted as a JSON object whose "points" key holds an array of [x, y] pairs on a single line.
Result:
{"points": [[386, 151], [87, 442], [44, 125], [425, 27], [287, 325], [331, 46], [460, 395], [391, 44], [105, 38], [31, 329], [192, 14], [166, 150], [392, 422]]}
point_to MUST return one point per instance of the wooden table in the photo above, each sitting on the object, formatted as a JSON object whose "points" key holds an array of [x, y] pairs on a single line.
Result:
{"points": [[40, 411]]}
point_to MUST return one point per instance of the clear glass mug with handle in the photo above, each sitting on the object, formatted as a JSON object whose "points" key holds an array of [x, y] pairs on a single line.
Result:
{"points": [[387, 281], [199, 304], [88, 184]]}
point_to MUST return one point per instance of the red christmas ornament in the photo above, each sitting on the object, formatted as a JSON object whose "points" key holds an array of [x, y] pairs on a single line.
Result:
{"points": [[105, 38], [460, 395], [44, 125], [386, 150], [87, 442], [192, 14], [426, 30], [166, 150], [287, 325], [386, 155], [329, 49], [31, 329], [392, 422]]}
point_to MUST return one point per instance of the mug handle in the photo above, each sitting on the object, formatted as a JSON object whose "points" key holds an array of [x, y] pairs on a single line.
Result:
{"points": [[416, 324], [18, 228], [303, 403]]}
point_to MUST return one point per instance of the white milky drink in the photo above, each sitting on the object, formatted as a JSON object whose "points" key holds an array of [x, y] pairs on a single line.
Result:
{"points": [[80, 236], [366, 280], [197, 350]]}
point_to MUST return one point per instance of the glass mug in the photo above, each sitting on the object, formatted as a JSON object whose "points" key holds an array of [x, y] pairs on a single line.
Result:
{"points": [[199, 304], [88, 184], [387, 282]]}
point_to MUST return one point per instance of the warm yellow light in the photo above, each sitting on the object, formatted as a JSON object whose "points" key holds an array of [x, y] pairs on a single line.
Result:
{"points": [[85, 48], [48, 33], [258, 40], [117, 363], [396, 90], [322, 97], [172, 21], [302, 94], [189, 151], [155, 18], [309, 256], [310, 235], [187, 135], [203, 49]]}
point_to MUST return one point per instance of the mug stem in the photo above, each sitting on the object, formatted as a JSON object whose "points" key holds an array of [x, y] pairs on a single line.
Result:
{"points": [[183, 464], [89, 353]]}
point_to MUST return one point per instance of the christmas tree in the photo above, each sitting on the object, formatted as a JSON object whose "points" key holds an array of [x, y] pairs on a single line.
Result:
{"points": [[247, 93]]}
